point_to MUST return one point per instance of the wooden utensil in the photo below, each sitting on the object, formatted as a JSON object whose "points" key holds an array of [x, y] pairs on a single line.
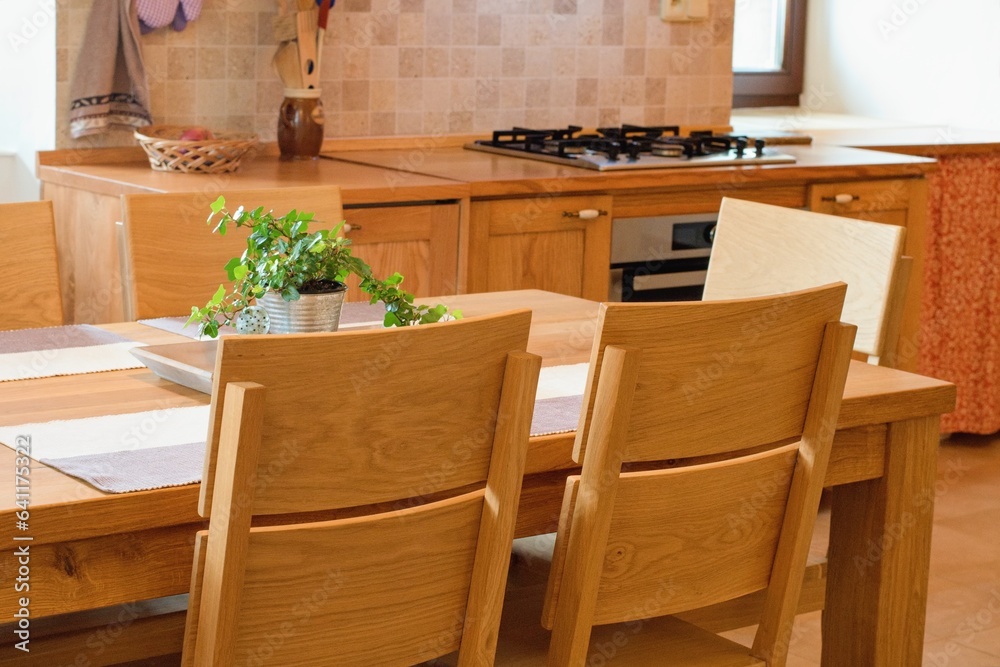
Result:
{"points": [[307, 48], [286, 61]]}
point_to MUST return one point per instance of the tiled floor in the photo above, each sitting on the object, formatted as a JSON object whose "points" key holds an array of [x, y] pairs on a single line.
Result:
{"points": [[963, 609]]}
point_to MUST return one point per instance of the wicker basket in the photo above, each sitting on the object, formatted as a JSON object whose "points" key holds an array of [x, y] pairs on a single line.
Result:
{"points": [[209, 156]]}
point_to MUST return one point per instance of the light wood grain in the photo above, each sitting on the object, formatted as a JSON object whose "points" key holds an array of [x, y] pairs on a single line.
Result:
{"points": [[761, 249], [30, 266], [88, 252], [496, 529], [532, 243], [593, 507], [900, 202], [489, 175], [637, 545], [65, 510], [432, 570], [137, 631], [176, 261], [420, 242], [223, 580], [380, 370], [781, 601], [680, 403], [886, 559]]}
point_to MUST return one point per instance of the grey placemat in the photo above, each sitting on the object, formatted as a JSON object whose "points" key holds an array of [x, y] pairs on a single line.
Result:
{"points": [[556, 415], [138, 469], [54, 338]]}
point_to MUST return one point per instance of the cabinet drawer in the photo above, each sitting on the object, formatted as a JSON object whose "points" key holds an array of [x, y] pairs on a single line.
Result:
{"points": [[420, 242], [545, 214], [860, 197], [644, 204]]}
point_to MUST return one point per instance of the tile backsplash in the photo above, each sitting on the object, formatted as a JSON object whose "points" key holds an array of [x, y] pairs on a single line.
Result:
{"points": [[398, 67]]}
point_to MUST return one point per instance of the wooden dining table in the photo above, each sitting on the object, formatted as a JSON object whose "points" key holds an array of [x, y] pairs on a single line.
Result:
{"points": [[91, 550]]}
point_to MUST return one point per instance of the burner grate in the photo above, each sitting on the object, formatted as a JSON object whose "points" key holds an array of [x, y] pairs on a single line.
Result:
{"points": [[628, 146]]}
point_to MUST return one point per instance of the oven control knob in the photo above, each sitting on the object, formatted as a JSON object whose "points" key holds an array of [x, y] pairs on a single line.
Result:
{"points": [[710, 233]]}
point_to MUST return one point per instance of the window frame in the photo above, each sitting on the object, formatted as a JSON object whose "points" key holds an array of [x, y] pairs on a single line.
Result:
{"points": [[783, 87]]}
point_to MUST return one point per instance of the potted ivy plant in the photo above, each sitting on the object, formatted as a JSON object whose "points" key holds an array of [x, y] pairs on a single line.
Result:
{"points": [[292, 280]]}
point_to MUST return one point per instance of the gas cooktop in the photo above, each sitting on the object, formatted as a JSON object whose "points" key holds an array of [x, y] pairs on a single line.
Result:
{"points": [[630, 147]]}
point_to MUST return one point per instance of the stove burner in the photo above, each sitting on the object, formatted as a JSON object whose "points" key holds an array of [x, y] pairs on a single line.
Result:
{"points": [[628, 146]]}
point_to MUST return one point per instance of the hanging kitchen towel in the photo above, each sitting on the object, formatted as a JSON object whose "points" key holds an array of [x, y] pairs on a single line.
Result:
{"points": [[109, 88], [155, 14]]}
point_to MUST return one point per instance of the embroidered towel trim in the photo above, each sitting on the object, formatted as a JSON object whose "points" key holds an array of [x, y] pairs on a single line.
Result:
{"points": [[109, 88]]}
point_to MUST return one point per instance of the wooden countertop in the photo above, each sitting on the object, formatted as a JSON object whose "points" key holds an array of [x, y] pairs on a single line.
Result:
{"points": [[359, 184], [407, 174], [490, 175], [928, 141]]}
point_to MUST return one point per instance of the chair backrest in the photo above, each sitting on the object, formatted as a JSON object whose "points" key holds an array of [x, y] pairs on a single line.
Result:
{"points": [[30, 266], [171, 259], [748, 392], [761, 249], [384, 468]]}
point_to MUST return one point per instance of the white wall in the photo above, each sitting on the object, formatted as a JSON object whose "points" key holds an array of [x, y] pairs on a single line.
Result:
{"points": [[27, 93], [920, 61]]}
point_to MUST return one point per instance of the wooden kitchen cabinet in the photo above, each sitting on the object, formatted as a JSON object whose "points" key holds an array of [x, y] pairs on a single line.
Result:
{"points": [[420, 242], [400, 222], [541, 243], [900, 202]]}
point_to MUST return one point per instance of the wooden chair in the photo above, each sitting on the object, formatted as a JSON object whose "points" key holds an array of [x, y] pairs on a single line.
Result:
{"points": [[704, 440], [761, 249], [361, 490], [172, 261], [30, 266]]}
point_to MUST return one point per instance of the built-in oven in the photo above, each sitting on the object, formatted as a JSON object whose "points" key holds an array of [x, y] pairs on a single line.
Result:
{"points": [[661, 258]]}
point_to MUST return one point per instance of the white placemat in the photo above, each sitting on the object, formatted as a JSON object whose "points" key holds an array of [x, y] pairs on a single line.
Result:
{"points": [[556, 381], [69, 350], [120, 453]]}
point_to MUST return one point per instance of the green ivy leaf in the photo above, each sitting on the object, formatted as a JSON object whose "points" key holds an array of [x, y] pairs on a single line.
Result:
{"points": [[231, 267], [219, 295], [218, 204]]}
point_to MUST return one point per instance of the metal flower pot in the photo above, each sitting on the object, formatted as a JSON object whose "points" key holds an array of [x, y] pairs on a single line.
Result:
{"points": [[311, 312]]}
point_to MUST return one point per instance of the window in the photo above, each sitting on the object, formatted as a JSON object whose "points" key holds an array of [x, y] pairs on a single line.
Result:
{"points": [[768, 52]]}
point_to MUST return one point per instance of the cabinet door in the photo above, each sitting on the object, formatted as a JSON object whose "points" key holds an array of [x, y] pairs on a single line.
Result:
{"points": [[542, 243], [897, 202], [420, 242]]}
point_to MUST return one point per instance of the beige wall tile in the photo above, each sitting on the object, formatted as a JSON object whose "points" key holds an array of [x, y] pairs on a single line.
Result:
{"points": [[417, 66]]}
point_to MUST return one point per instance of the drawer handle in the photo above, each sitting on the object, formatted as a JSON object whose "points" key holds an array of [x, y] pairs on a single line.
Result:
{"points": [[585, 214], [842, 198], [348, 227]]}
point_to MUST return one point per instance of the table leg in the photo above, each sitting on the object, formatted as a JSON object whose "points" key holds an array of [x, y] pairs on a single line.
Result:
{"points": [[880, 538]]}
